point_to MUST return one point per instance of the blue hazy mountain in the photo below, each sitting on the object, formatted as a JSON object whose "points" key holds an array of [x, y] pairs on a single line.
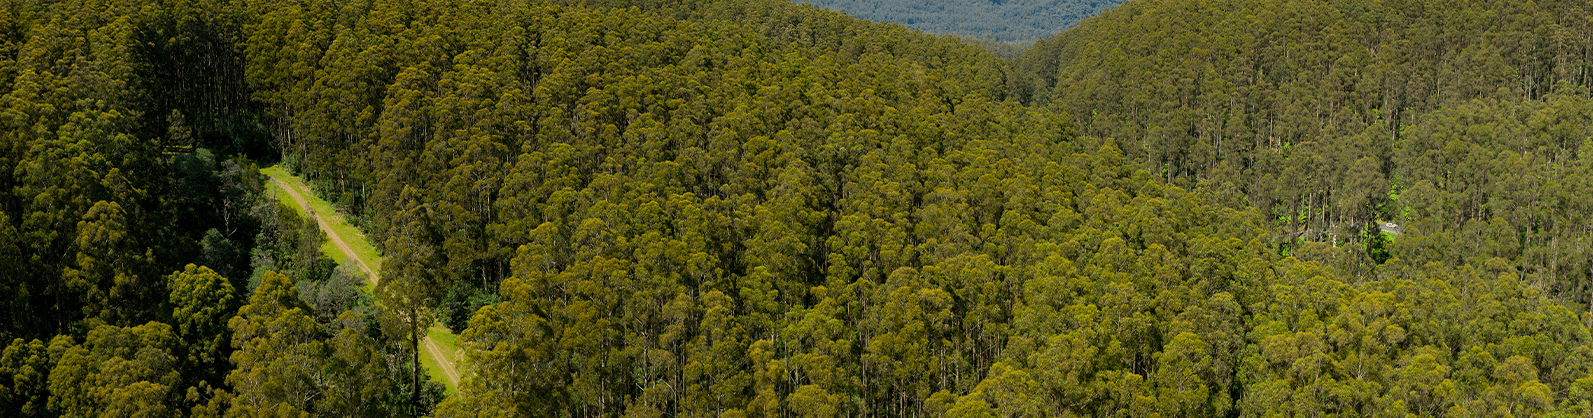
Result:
{"points": [[1000, 20]]}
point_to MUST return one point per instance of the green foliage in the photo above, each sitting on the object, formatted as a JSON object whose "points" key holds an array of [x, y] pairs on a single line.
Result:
{"points": [[1312, 110], [747, 208], [97, 194], [330, 296], [462, 302], [116, 371], [288, 243], [287, 363], [202, 301], [24, 371], [1377, 243], [754, 208]]}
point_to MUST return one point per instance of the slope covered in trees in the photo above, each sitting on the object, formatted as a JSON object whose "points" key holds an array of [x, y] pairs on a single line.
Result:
{"points": [[132, 230], [794, 219], [1465, 121], [756, 208]]}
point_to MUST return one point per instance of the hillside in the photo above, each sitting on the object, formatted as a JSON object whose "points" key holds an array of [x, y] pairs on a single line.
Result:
{"points": [[1466, 122], [759, 208], [1000, 21]]}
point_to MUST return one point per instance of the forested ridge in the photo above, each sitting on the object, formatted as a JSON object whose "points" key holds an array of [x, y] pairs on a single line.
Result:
{"points": [[1465, 122], [757, 208], [1008, 21]]}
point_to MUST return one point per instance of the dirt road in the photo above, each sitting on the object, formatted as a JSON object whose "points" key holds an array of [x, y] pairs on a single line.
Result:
{"points": [[445, 363], [337, 240]]}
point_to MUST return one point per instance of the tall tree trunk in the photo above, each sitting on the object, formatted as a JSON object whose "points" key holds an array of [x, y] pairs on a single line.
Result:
{"points": [[414, 345]]}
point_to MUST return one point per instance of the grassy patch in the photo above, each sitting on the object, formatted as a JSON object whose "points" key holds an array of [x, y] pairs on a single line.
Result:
{"points": [[362, 248], [327, 248], [447, 341], [435, 372], [353, 237]]}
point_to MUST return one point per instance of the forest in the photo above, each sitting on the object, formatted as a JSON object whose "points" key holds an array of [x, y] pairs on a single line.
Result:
{"points": [[757, 208]]}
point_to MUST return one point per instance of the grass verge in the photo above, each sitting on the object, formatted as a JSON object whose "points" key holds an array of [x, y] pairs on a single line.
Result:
{"points": [[356, 239], [362, 248], [434, 372], [447, 341]]}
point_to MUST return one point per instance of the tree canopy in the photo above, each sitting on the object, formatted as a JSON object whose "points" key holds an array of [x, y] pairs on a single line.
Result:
{"points": [[758, 208]]}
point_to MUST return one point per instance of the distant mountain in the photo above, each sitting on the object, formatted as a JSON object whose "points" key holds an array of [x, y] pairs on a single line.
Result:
{"points": [[1000, 20]]}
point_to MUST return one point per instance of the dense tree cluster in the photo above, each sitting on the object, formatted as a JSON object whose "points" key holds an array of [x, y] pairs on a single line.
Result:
{"points": [[1464, 123], [1329, 115], [711, 209], [758, 208], [124, 160]]}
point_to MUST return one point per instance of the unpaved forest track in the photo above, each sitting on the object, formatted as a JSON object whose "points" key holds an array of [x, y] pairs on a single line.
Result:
{"points": [[431, 349], [337, 240], [443, 361]]}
